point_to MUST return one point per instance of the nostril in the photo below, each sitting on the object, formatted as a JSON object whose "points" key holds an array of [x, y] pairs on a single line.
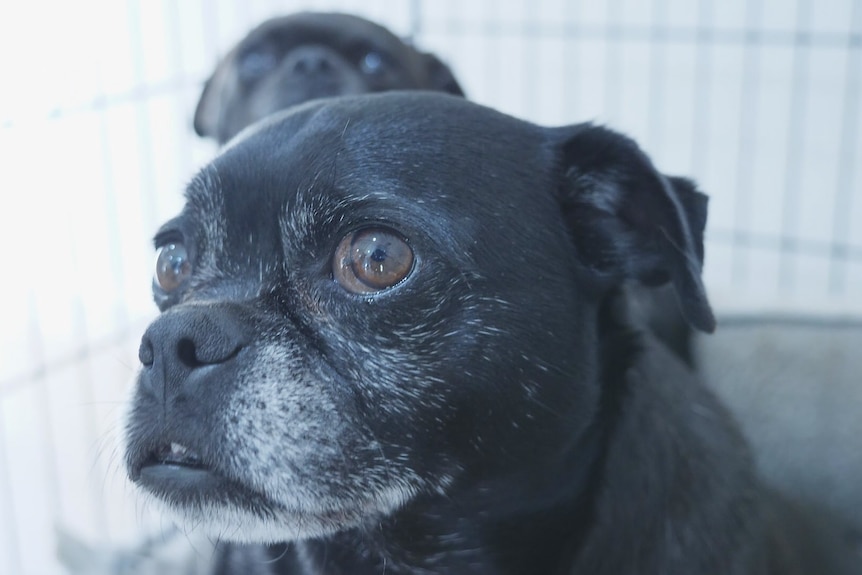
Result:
{"points": [[183, 340], [146, 355], [311, 64], [187, 353]]}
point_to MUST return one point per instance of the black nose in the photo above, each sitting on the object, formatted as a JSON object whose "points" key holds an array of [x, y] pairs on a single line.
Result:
{"points": [[183, 340], [309, 60]]}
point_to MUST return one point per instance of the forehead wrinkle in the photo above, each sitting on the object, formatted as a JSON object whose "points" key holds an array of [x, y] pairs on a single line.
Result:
{"points": [[204, 193], [322, 210], [312, 207], [205, 200]]}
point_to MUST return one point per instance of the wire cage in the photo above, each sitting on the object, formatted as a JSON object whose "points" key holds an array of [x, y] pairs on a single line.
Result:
{"points": [[758, 100]]}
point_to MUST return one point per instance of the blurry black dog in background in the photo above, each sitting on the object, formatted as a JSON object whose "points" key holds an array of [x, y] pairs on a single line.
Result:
{"points": [[291, 59]]}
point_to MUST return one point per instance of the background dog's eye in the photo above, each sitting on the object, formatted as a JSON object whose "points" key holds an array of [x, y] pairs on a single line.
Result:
{"points": [[371, 260], [256, 63], [371, 63], [172, 266]]}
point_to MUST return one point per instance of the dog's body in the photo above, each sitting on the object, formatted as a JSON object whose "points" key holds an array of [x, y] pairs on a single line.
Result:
{"points": [[394, 341], [292, 59]]}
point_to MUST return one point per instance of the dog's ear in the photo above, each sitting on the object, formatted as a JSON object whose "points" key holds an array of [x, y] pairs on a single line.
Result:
{"points": [[208, 110], [694, 207], [628, 221], [440, 77]]}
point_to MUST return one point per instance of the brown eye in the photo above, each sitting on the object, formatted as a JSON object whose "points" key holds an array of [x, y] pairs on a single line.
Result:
{"points": [[172, 266], [371, 260]]}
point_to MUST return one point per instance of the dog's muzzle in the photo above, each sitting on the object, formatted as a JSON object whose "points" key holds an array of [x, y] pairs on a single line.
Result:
{"points": [[184, 353]]}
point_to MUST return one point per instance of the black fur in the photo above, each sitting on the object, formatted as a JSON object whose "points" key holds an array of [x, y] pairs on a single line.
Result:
{"points": [[496, 411]]}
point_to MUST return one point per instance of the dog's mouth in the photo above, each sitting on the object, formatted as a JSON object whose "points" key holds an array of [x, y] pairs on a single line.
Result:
{"points": [[201, 495], [173, 466], [174, 454], [199, 488], [181, 476]]}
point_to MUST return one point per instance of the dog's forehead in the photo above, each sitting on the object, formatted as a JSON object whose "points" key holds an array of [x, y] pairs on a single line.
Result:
{"points": [[426, 142], [412, 158]]}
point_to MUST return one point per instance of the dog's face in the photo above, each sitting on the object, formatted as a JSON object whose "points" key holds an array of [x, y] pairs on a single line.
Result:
{"points": [[292, 59], [373, 299]]}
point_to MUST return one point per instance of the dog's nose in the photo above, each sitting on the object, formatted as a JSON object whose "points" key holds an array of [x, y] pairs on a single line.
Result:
{"points": [[181, 341], [309, 60]]}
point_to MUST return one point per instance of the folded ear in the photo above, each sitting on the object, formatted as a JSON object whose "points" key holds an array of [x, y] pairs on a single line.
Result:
{"points": [[628, 221], [208, 110], [440, 77]]}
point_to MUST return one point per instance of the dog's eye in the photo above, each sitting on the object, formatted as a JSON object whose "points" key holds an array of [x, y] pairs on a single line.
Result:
{"points": [[172, 266], [256, 63], [371, 260], [371, 63]]}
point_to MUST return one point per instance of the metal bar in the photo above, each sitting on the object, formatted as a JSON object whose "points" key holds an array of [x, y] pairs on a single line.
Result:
{"points": [[848, 153], [666, 34], [105, 101], [7, 503], [415, 19], [747, 137], [49, 452], [786, 244], [703, 85], [657, 79], [613, 65], [795, 144]]}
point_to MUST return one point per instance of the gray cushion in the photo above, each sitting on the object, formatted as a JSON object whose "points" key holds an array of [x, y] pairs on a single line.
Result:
{"points": [[795, 385]]}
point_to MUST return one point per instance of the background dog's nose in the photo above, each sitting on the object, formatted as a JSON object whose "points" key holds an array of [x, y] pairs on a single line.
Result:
{"points": [[183, 340], [309, 60]]}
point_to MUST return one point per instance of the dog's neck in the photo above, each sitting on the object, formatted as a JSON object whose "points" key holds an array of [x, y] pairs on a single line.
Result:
{"points": [[531, 522], [487, 529]]}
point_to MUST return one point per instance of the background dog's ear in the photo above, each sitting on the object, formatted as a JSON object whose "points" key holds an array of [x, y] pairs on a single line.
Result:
{"points": [[208, 111], [440, 77], [628, 221]]}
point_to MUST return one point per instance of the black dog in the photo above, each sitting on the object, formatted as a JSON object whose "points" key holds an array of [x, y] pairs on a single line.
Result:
{"points": [[289, 60], [393, 341]]}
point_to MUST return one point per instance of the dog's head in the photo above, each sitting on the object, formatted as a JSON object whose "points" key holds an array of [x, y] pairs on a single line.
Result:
{"points": [[372, 299], [292, 59]]}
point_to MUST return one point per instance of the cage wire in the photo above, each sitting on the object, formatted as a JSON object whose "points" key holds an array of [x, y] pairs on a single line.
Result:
{"points": [[758, 100]]}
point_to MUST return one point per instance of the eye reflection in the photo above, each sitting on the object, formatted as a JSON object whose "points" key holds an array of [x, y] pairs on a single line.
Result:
{"points": [[372, 63], [371, 260], [172, 266]]}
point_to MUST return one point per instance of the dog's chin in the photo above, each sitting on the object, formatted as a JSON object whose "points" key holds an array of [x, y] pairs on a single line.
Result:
{"points": [[202, 501], [236, 524]]}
